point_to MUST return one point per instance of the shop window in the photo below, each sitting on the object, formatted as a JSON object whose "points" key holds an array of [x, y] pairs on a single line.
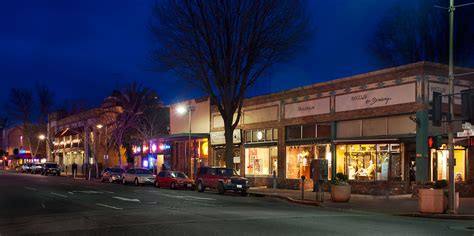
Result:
{"points": [[369, 161], [275, 134], [261, 161], [268, 135], [309, 131], [248, 136], [439, 160], [298, 159], [293, 132]]}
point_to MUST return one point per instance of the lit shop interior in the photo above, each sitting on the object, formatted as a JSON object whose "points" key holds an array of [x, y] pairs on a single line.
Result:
{"points": [[370, 161], [298, 159], [439, 161], [261, 152]]}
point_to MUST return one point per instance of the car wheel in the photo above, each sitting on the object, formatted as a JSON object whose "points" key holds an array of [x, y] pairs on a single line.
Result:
{"points": [[200, 187], [46, 173], [220, 188], [173, 185], [58, 174], [110, 180], [102, 179], [243, 193], [157, 184], [124, 182], [136, 182]]}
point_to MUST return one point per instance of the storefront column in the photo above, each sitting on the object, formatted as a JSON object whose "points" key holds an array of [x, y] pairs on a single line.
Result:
{"points": [[333, 150], [422, 154]]}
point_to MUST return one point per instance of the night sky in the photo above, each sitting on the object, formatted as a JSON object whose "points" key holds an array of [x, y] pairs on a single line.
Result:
{"points": [[85, 49]]}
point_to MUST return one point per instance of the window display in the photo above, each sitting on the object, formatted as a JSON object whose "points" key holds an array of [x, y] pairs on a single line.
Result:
{"points": [[261, 160], [439, 160], [298, 159], [369, 161]]}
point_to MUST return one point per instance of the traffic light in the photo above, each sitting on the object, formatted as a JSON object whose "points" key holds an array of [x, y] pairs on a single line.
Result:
{"points": [[467, 100], [435, 141], [436, 110]]}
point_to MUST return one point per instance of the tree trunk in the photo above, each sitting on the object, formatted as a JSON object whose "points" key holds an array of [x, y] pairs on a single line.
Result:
{"points": [[229, 146], [119, 154]]}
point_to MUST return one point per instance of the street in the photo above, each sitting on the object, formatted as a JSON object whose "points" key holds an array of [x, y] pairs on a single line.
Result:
{"points": [[35, 204]]}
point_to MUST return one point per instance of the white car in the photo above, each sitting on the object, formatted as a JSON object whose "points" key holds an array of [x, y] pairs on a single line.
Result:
{"points": [[36, 168], [26, 168], [138, 176]]}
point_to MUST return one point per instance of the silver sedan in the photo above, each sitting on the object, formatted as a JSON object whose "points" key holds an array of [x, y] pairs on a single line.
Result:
{"points": [[138, 176]]}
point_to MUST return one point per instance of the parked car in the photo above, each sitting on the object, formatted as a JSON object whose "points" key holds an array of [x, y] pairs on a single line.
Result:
{"points": [[112, 175], [138, 176], [174, 180], [36, 168], [51, 168], [26, 168], [221, 179]]}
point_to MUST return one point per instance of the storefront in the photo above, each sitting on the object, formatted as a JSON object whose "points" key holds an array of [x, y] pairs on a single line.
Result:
{"points": [[152, 154], [378, 162], [261, 154], [305, 143], [217, 139], [439, 160]]}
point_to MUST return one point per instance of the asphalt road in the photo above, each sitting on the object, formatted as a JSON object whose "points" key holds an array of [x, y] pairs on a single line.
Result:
{"points": [[35, 204]]}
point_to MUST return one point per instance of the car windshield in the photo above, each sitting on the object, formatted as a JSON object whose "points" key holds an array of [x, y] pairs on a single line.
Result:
{"points": [[116, 170], [179, 175], [143, 172], [226, 172]]}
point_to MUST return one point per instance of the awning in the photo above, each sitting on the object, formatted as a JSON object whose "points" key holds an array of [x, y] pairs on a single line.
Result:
{"points": [[306, 142], [182, 136], [363, 141], [261, 144]]}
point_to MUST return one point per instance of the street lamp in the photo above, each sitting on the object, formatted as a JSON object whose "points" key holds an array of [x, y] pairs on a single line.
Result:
{"points": [[181, 110], [41, 137], [106, 155]]}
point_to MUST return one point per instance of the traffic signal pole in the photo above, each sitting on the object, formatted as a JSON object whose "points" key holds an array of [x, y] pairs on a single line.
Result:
{"points": [[451, 190]]}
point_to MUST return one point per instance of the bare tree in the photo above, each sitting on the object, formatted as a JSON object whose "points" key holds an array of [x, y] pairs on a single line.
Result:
{"points": [[134, 99], [45, 102], [419, 31], [223, 47], [154, 122]]}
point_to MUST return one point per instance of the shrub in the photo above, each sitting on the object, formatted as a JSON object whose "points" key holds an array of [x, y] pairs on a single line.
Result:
{"points": [[440, 184], [341, 179]]}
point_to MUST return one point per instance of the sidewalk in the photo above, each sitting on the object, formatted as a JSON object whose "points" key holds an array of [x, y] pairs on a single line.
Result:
{"points": [[394, 205]]}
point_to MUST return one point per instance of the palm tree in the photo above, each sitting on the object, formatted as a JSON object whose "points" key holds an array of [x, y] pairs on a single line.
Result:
{"points": [[134, 100]]}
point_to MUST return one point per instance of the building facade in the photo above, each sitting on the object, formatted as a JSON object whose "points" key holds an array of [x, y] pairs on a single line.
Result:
{"points": [[83, 139], [372, 127]]}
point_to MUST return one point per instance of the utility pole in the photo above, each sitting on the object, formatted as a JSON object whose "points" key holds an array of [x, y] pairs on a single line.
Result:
{"points": [[451, 190]]}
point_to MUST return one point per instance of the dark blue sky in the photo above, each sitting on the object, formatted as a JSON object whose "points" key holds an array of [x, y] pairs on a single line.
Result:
{"points": [[84, 49]]}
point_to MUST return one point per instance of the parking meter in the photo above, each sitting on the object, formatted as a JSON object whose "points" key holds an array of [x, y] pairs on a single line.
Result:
{"points": [[302, 186]]}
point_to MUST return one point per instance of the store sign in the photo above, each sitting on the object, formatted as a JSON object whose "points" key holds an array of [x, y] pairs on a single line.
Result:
{"points": [[307, 108], [236, 159], [377, 98], [218, 137], [444, 89]]}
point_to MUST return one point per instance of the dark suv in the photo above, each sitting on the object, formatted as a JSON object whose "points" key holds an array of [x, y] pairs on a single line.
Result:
{"points": [[221, 179], [51, 168]]}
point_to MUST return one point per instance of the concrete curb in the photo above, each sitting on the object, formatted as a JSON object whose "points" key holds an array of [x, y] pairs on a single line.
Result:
{"points": [[439, 216], [290, 199]]}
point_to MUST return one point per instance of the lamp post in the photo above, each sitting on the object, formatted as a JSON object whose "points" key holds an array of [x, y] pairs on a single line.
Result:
{"points": [[41, 137], [182, 110], [106, 155]]}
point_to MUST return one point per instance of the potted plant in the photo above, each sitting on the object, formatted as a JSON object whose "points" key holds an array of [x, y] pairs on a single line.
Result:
{"points": [[340, 189], [433, 200]]}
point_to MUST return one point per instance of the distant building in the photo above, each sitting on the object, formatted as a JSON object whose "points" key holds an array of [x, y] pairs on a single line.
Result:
{"points": [[81, 138]]}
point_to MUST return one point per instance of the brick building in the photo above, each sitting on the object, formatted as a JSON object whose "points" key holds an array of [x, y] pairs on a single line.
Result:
{"points": [[373, 127]]}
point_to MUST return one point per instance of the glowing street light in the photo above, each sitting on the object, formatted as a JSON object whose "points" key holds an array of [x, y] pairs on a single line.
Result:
{"points": [[99, 126], [42, 137], [181, 110]]}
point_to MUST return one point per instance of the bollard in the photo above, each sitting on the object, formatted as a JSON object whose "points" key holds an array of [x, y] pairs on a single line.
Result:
{"points": [[274, 180], [302, 186]]}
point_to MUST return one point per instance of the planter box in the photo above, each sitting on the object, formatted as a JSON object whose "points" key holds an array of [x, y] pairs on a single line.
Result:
{"points": [[340, 193], [431, 201]]}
